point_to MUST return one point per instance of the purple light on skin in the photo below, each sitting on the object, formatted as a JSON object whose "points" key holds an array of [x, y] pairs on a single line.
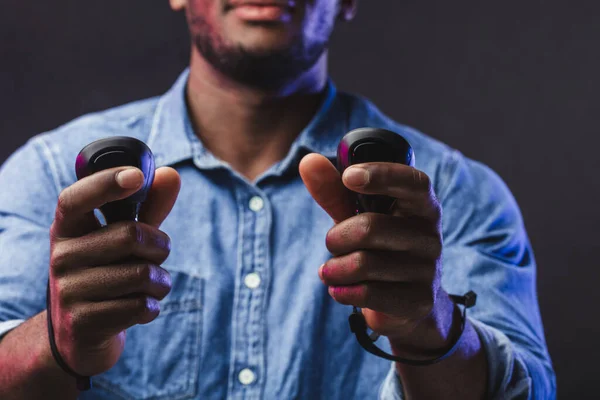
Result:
{"points": [[348, 291]]}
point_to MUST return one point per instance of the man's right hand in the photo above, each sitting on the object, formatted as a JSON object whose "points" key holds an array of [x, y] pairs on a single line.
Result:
{"points": [[104, 280]]}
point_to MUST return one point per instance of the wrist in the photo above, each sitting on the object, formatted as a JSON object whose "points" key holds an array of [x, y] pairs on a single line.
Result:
{"points": [[44, 358], [434, 334], [32, 372]]}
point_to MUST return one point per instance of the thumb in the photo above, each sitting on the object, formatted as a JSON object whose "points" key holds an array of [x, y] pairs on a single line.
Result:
{"points": [[161, 197], [324, 183]]}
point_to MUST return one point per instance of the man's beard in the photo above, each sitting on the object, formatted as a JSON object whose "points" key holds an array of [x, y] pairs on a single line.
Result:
{"points": [[267, 70]]}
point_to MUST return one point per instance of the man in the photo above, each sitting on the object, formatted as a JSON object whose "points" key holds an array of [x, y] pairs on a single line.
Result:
{"points": [[264, 254]]}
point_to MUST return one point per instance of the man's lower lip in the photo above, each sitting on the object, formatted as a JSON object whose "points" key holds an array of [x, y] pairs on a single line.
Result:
{"points": [[262, 13]]}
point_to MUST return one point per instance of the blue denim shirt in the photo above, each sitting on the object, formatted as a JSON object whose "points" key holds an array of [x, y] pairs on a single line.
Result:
{"points": [[248, 316]]}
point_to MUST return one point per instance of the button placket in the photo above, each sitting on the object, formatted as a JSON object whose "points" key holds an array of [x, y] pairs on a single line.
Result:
{"points": [[248, 339]]}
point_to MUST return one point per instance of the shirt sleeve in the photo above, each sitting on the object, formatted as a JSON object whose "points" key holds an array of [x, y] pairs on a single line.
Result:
{"points": [[486, 249], [27, 202]]}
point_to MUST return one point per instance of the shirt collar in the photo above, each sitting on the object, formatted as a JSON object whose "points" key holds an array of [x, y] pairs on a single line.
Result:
{"points": [[172, 138]]}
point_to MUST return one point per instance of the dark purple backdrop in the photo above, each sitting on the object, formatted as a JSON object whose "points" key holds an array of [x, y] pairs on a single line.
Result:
{"points": [[513, 84]]}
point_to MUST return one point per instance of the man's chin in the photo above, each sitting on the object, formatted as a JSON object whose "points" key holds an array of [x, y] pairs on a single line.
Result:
{"points": [[263, 43], [258, 58]]}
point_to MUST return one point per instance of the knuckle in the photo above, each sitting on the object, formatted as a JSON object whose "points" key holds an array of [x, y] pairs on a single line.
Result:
{"points": [[359, 260], [61, 293], [330, 238], [162, 242], [64, 204], [59, 258], [74, 323], [54, 236], [133, 233], [144, 273], [366, 225]]}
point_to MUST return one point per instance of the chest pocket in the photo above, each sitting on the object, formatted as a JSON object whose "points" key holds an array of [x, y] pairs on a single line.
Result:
{"points": [[161, 359]]}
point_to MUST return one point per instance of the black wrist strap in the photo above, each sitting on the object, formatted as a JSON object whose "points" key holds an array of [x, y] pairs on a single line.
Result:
{"points": [[358, 325], [83, 382]]}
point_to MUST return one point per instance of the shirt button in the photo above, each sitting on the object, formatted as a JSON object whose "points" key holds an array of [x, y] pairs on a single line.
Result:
{"points": [[246, 376], [252, 280], [256, 203]]}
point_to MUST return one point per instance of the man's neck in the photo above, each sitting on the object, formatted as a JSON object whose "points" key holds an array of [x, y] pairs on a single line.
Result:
{"points": [[246, 127]]}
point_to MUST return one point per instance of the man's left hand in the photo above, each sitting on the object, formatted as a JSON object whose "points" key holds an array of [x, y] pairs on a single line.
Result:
{"points": [[389, 265]]}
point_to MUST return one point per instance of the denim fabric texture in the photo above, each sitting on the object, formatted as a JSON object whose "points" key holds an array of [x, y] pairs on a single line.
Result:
{"points": [[248, 317]]}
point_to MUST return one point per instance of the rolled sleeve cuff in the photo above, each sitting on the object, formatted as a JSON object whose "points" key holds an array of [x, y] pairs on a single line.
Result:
{"points": [[6, 326], [507, 374]]}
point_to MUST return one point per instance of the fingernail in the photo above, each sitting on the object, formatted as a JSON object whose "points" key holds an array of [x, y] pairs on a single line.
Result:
{"points": [[356, 176], [130, 178]]}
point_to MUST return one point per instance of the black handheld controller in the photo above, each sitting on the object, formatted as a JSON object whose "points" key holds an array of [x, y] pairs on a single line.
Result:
{"points": [[373, 145], [118, 152]]}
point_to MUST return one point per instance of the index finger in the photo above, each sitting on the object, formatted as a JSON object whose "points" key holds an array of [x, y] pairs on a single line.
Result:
{"points": [[74, 214]]}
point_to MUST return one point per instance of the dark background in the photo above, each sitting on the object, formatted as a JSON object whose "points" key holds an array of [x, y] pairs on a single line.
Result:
{"points": [[513, 84]]}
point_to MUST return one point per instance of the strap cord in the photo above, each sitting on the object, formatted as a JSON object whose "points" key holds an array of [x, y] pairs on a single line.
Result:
{"points": [[358, 325]]}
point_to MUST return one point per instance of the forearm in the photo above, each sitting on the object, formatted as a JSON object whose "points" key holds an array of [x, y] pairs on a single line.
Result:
{"points": [[461, 376], [27, 369]]}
